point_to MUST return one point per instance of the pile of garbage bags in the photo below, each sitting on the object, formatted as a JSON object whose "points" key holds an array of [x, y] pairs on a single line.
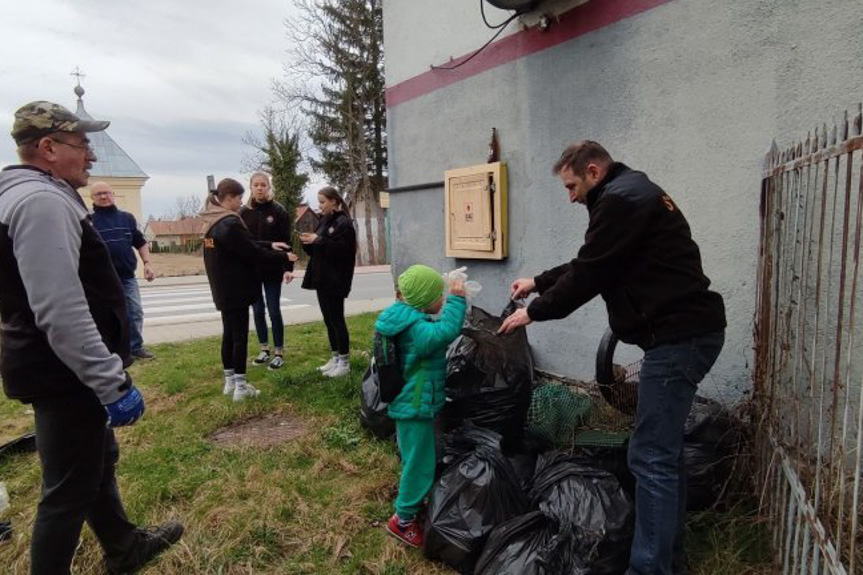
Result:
{"points": [[505, 501], [481, 519]]}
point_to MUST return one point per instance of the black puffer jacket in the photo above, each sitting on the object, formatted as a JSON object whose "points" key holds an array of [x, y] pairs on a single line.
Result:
{"points": [[332, 256], [231, 256], [269, 222], [638, 253]]}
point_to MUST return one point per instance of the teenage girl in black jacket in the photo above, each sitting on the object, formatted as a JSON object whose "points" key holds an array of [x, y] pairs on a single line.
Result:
{"points": [[230, 256], [268, 220], [332, 249]]}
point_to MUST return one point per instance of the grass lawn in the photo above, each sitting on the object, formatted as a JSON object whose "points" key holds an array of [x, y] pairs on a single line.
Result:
{"points": [[314, 505]]}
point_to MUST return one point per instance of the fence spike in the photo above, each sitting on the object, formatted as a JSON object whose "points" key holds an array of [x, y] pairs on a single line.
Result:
{"points": [[770, 156], [815, 141], [844, 133], [823, 135], [799, 149], [807, 146], [858, 120], [833, 134]]}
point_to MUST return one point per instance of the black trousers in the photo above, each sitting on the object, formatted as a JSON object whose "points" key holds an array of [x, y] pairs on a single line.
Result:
{"points": [[235, 338], [78, 454], [333, 309]]}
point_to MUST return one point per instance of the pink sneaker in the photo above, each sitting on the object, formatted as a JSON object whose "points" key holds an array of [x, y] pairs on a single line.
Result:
{"points": [[411, 535]]}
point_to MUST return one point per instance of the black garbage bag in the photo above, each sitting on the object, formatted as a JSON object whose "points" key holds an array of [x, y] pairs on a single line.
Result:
{"points": [[531, 544], [373, 411], [477, 492], [591, 503], [523, 458], [489, 376], [612, 459], [465, 439], [710, 440]]}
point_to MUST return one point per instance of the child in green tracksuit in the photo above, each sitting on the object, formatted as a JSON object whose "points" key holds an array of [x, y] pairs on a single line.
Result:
{"points": [[422, 343]]}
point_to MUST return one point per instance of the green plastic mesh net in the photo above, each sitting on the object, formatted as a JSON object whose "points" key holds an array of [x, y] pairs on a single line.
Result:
{"points": [[586, 415]]}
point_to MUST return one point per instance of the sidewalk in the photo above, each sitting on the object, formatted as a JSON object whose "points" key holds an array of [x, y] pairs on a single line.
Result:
{"points": [[196, 330]]}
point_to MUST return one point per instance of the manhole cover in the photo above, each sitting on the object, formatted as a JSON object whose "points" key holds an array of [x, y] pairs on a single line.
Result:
{"points": [[264, 431]]}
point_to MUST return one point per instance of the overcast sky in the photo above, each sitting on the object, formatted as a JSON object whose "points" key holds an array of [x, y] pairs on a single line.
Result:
{"points": [[182, 82]]}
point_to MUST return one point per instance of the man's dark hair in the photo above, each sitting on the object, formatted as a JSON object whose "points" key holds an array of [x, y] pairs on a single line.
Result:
{"points": [[577, 156]]}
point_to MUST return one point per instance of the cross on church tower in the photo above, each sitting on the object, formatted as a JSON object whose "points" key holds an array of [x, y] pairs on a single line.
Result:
{"points": [[78, 74], [79, 91]]}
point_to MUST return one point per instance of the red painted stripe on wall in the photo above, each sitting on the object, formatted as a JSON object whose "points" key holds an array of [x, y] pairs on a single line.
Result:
{"points": [[580, 20]]}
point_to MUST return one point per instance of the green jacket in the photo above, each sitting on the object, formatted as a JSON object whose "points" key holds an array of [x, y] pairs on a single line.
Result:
{"points": [[422, 344]]}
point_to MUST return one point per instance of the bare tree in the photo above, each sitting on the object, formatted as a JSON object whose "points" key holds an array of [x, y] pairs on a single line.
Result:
{"points": [[184, 207]]}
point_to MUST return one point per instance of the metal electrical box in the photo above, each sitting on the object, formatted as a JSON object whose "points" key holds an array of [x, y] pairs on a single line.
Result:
{"points": [[475, 207]]}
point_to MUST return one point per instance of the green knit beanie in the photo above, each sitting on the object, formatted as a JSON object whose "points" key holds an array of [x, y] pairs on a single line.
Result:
{"points": [[420, 286]]}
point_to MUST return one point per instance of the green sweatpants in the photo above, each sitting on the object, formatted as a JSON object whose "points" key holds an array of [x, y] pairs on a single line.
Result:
{"points": [[416, 439]]}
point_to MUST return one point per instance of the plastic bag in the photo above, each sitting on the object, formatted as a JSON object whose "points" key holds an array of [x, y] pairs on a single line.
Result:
{"points": [[478, 491], [611, 459], [373, 411], [532, 544], [710, 438], [489, 376], [465, 439], [471, 287], [590, 503]]}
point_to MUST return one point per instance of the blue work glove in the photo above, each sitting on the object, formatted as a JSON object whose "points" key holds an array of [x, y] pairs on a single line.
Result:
{"points": [[126, 410]]}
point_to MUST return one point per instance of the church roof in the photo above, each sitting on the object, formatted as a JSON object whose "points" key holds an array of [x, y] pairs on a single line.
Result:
{"points": [[112, 161]]}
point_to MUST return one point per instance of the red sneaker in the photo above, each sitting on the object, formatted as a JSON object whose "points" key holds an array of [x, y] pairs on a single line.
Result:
{"points": [[411, 535]]}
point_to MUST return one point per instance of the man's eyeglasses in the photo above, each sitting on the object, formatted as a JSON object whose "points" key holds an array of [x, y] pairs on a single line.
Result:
{"points": [[86, 147]]}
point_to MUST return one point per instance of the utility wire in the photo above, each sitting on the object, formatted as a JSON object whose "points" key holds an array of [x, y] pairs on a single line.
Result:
{"points": [[501, 28]]}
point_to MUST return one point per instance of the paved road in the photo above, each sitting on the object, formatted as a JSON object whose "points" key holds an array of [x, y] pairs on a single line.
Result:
{"points": [[179, 309]]}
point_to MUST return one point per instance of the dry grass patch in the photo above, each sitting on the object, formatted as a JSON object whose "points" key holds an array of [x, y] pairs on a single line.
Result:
{"points": [[263, 432]]}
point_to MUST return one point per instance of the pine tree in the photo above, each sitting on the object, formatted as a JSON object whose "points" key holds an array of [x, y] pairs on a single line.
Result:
{"points": [[279, 155], [340, 43]]}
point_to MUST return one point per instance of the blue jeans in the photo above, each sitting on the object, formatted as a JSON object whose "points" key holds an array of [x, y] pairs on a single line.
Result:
{"points": [[273, 295], [670, 374], [134, 312]]}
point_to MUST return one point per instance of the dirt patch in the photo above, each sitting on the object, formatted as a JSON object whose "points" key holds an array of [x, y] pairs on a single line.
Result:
{"points": [[265, 431], [176, 265]]}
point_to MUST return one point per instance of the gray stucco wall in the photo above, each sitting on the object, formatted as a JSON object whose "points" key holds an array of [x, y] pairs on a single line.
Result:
{"points": [[691, 92]]}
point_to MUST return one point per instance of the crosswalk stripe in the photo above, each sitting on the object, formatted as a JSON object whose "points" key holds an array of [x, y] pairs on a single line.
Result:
{"points": [[161, 292], [187, 303], [168, 299], [202, 316]]}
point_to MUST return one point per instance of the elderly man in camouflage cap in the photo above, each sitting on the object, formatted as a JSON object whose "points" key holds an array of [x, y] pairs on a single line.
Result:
{"points": [[65, 343]]}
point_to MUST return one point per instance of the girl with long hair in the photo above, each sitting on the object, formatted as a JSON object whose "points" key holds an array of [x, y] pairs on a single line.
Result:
{"points": [[230, 257], [268, 220], [332, 249]]}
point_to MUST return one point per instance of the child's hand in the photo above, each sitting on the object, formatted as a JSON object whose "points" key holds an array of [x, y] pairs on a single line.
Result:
{"points": [[457, 288]]}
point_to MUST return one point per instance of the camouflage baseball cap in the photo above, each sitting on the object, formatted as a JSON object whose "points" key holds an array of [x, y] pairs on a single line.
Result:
{"points": [[41, 118]]}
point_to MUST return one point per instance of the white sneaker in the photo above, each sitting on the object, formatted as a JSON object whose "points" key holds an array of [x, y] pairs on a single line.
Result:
{"points": [[229, 386], [245, 391], [328, 366], [341, 368], [262, 358]]}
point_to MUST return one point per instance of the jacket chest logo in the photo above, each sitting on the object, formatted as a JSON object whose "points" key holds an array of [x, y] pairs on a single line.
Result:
{"points": [[270, 219], [331, 230], [668, 203]]}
